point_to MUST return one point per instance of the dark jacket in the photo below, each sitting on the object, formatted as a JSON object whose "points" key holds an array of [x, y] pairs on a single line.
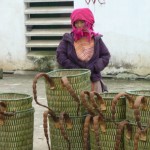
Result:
{"points": [[67, 58]]}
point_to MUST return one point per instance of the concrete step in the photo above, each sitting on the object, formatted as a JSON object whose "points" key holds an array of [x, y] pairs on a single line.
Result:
{"points": [[40, 54], [48, 21], [47, 32], [42, 43], [34, 1], [49, 10]]}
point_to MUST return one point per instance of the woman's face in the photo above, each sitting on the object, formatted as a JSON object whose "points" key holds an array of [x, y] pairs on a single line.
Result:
{"points": [[79, 24]]}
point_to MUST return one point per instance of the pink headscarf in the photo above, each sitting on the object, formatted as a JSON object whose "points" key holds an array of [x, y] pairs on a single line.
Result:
{"points": [[86, 15]]}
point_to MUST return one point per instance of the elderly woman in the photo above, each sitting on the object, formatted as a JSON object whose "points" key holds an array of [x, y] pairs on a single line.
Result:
{"points": [[83, 48]]}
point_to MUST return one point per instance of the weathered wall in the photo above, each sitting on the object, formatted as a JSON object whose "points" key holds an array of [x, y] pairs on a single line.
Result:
{"points": [[125, 26], [12, 35]]}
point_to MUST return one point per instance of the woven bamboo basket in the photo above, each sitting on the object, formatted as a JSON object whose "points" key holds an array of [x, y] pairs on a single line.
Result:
{"points": [[16, 101], [68, 138], [63, 87], [103, 130], [138, 140], [59, 99], [120, 106], [107, 139], [16, 121], [144, 106], [95, 103]]}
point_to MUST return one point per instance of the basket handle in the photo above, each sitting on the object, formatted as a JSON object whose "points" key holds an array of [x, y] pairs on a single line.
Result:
{"points": [[140, 100], [140, 132], [45, 116], [51, 83], [65, 117], [3, 112], [84, 102], [99, 100], [116, 99], [120, 128], [56, 122], [67, 85], [96, 121], [86, 131]]}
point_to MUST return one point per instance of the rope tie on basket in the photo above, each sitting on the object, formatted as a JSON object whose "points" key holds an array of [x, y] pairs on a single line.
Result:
{"points": [[95, 116], [45, 115], [98, 121], [52, 86], [92, 106], [115, 101], [140, 132], [140, 135], [67, 85], [3, 112], [89, 108], [119, 132], [120, 125], [140, 100], [64, 117], [86, 128], [98, 104]]}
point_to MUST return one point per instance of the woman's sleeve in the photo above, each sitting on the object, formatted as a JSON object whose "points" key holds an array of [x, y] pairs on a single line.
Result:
{"points": [[62, 58], [104, 57]]}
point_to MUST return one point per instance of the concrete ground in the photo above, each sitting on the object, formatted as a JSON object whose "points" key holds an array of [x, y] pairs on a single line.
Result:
{"points": [[22, 83]]}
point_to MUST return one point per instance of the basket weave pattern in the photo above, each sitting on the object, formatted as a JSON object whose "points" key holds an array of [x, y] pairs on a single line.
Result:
{"points": [[107, 139], [59, 98], [129, 143], [120, 107], [16, 101], [16, 132], [63, 87], [143, 113], [141, 143], [75, 135]]}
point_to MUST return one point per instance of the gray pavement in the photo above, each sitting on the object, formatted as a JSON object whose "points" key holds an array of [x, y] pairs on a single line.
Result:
{"points": [[23, 84]]}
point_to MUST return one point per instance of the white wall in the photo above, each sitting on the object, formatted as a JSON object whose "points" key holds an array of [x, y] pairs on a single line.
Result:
{"points": [[12, 39], [125, 25]]}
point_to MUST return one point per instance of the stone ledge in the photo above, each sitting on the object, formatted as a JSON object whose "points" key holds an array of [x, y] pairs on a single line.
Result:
{"points": [[127, 76], [119, 76]]}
